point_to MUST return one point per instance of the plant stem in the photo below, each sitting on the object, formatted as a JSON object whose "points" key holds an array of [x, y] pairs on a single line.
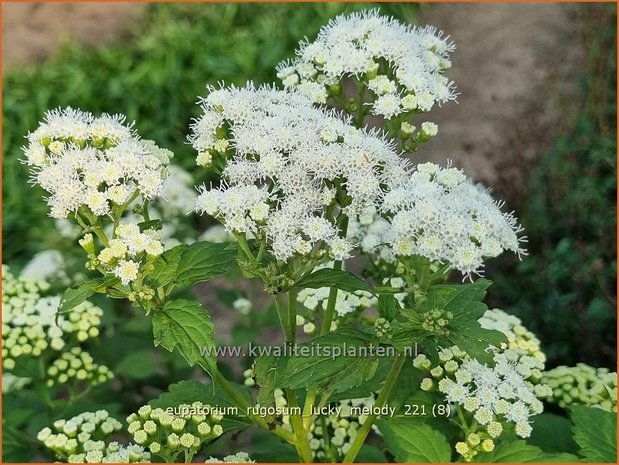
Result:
{"points": [[242, 403], [302, 443], [292, 315], [392, 377]]}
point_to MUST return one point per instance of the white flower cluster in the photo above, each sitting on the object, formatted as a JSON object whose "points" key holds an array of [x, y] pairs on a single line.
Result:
{"points": [[93, 162], [30, 324], [170, 434], [437, 214], [286, 164], [75, 366], [239, 457], [128, 251], [402, 66], [523, 347], [82, 439], [47, 265], [582, 384], [492, 396]]}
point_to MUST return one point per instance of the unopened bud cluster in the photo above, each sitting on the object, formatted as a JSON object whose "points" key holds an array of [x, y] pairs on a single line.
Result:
{"points": [[168, 433], [77, 365], [582, 384], [239, 457], [83, 439]]}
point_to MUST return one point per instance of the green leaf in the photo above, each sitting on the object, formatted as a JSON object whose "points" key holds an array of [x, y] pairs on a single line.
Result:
{"points": [[413, 442], [152, 224], [475, 340], [552, 433], [466, 303], [186, 392], [387, 306], [186, 325], [75, 295], [165, 266], [202, 261], [595, 431], [266, 368], [328, 277], [370, 454], [325, 363], [185, 265], [521, 452]]}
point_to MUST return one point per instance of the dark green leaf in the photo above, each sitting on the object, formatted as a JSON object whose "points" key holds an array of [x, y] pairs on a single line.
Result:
{"points": [[475, 340], [521, 452], [75, 295], [413, 442], [186, 325], [266, 368], [165, 266], [202, 261], [328, 277], [595, 431], [387, 306], [137, 365], [552, 433]]}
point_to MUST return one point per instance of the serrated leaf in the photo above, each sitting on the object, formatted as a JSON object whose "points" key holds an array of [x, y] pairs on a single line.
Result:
{"points": [[188, 391], [202, 261], [521, 452], [165, 266], [475, 340], [185, 265], [466, 302], [552, 433], [75, 295], [413, 442], [329, 366], [186, 325], [387, 306], [595, 431], [328, 277]]}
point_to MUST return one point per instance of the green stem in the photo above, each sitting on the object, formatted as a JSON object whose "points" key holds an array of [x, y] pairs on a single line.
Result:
{"points": [[302, 442], [242, 403], [284, 314], [292, 315], [392, 377]]}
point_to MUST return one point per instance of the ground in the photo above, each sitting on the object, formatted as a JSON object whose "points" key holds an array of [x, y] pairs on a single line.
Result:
{"points": [[516, 68]]}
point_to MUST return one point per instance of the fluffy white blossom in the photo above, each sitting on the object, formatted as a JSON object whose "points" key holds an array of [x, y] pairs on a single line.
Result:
{"points": [[492, 395], [283, 166], [401, 65], [93, 162], [239, 457], [439, 215]]}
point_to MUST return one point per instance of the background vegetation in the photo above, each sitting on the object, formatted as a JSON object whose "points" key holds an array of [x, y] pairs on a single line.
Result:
{"points": [[565, 288]]}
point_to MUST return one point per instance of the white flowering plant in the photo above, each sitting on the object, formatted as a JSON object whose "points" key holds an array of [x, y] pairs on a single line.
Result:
{"points": [[402, 361]]}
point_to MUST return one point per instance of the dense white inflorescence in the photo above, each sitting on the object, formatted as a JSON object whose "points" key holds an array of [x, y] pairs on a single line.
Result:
{"points": [[493, 395], [285, 164], [401, 65], [94, 162], [440, 215]]}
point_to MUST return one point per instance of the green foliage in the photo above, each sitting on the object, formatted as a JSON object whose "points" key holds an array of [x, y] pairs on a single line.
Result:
{"points": [[521, 452], [328, 277], [595, 431], [413, 442], [186, 325], [566, 289], [185, 265], [552, 433]]}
